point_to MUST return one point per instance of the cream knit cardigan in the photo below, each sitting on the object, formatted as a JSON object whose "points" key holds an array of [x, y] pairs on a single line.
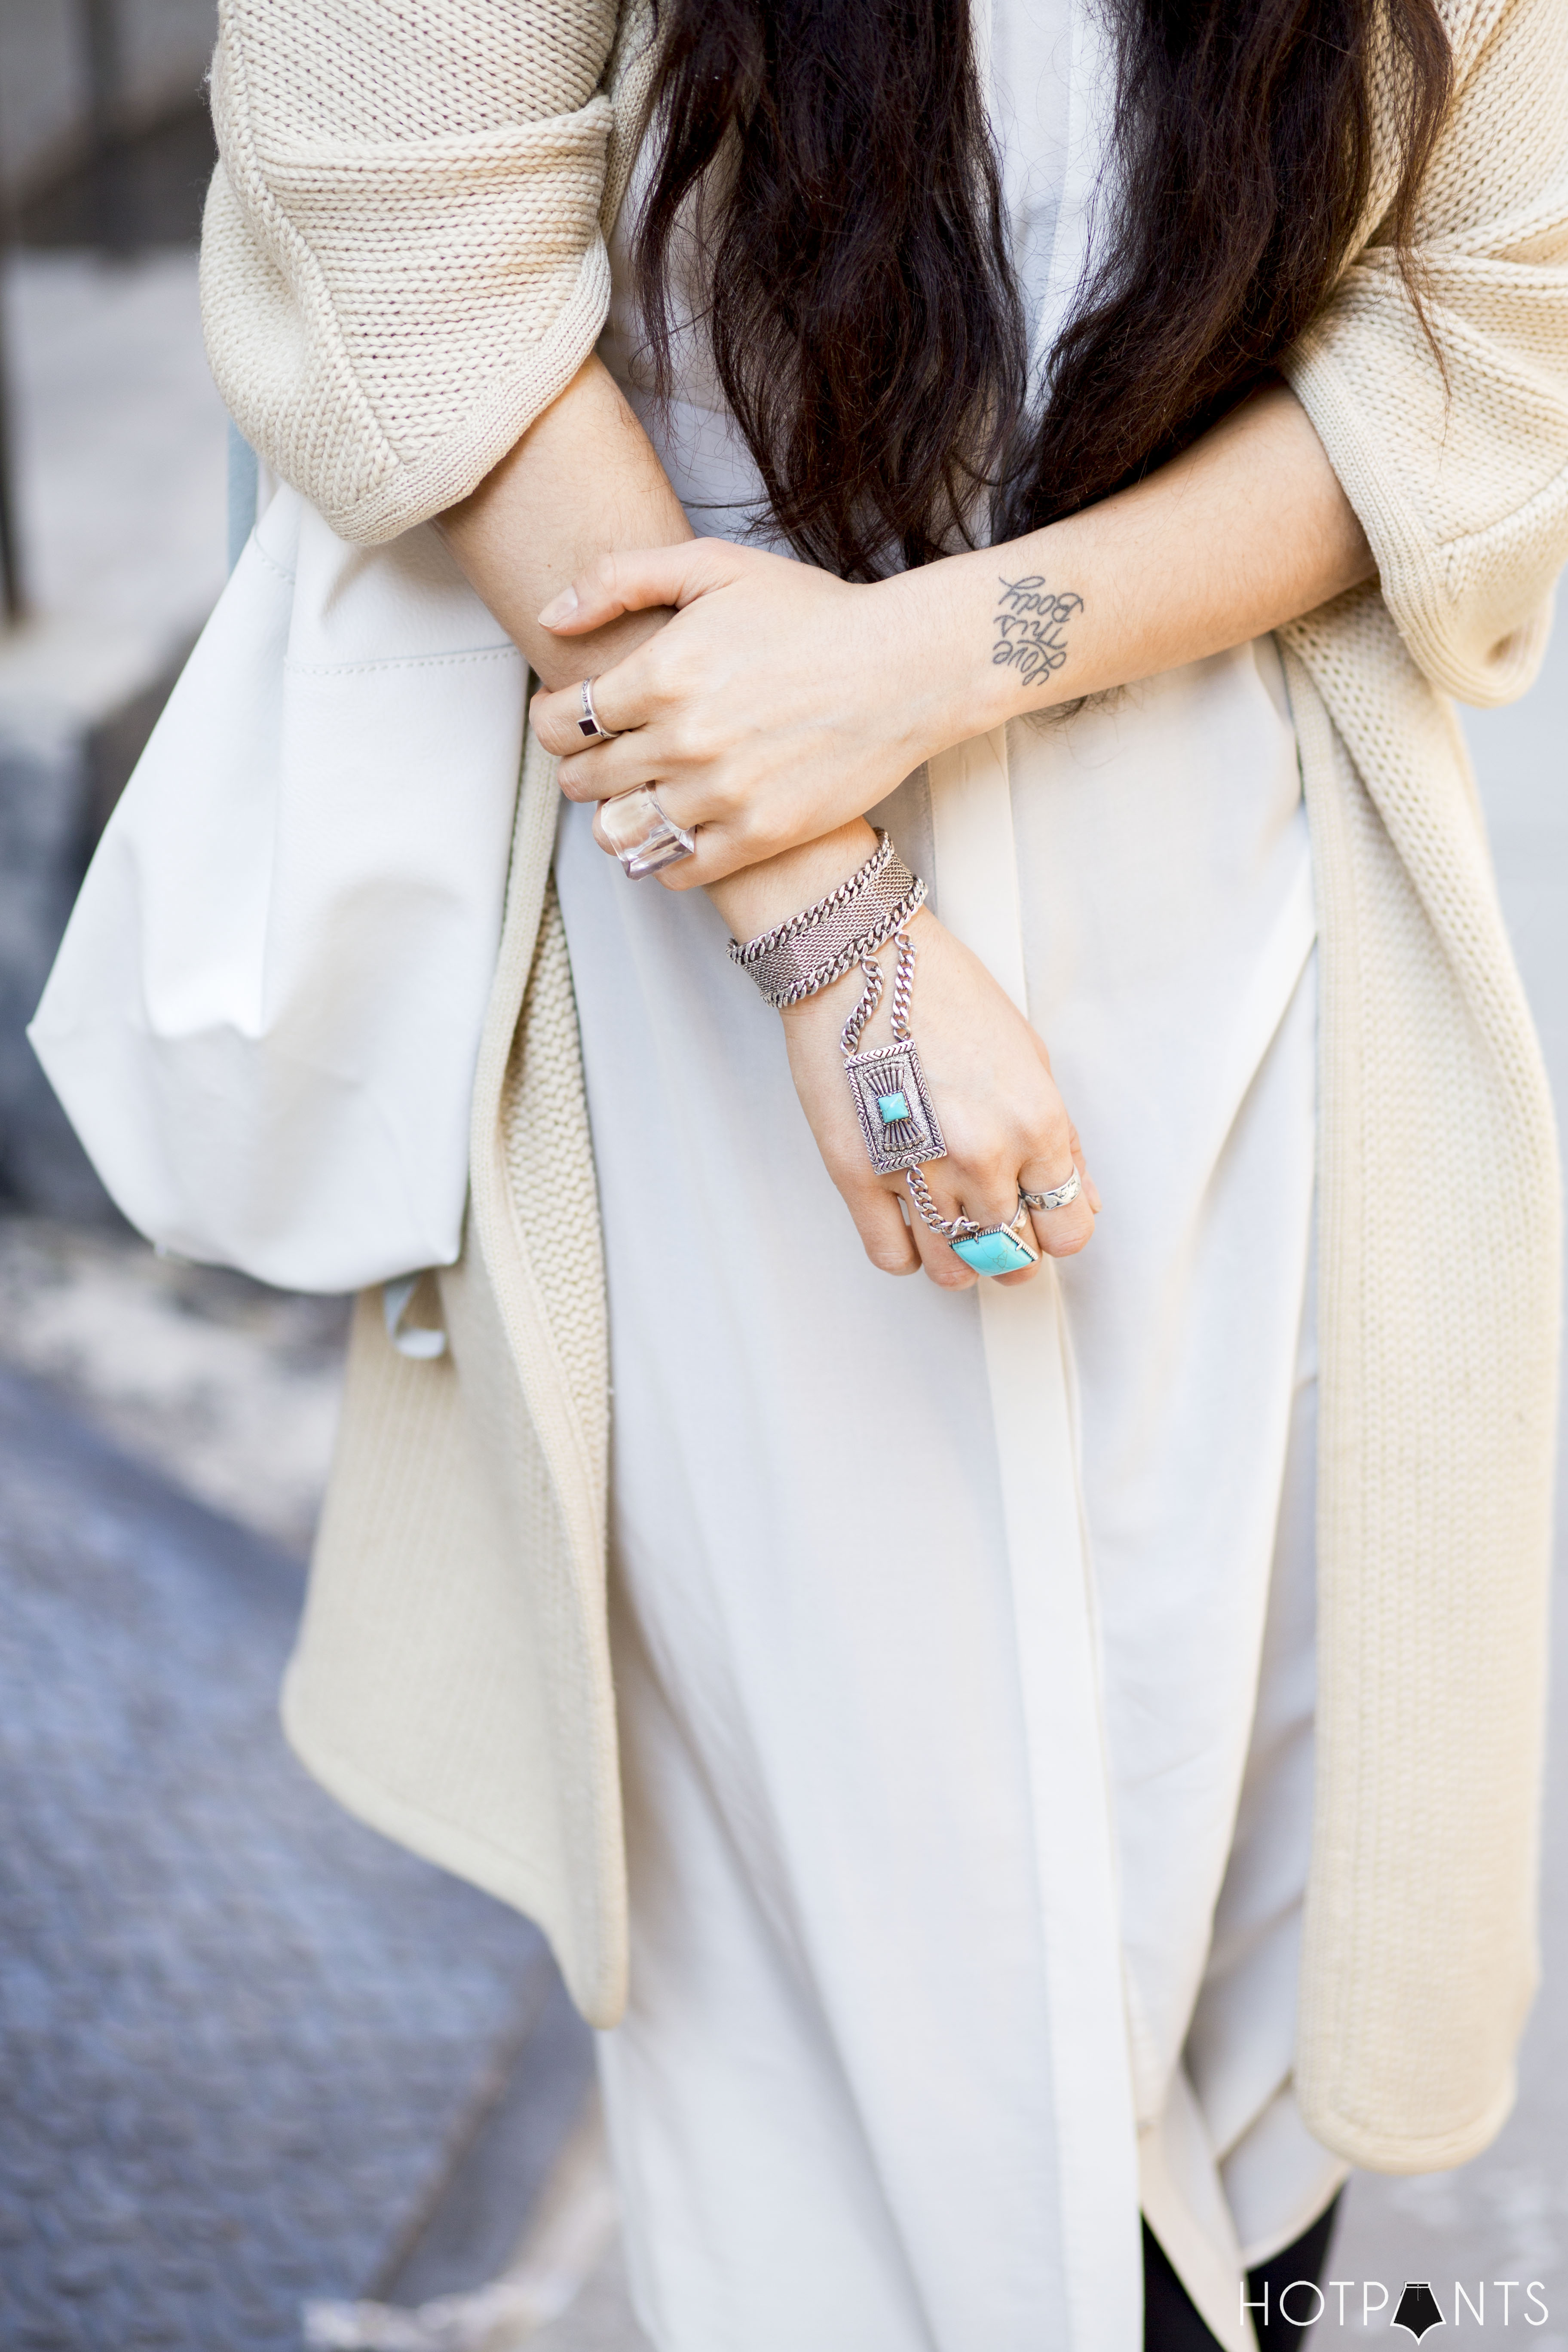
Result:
{"points": [[404, 262]]}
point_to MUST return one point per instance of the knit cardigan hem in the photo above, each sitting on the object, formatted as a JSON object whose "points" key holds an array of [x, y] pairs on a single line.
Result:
{"points": [[455, 470], [440, 1838], [1410, 569], [412, 493], [1381, 2151]]}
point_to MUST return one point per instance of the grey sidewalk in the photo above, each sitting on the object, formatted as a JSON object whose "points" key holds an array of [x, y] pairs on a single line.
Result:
{"points": [[246, 2040]]}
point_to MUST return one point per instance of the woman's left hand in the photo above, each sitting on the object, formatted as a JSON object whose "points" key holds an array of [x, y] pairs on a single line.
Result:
{"points": [[777, 704]]}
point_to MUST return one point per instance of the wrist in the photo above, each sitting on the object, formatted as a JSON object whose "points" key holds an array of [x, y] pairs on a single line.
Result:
{"points": [[991, 635], [935, 617], [758, 896], [940, 616]]}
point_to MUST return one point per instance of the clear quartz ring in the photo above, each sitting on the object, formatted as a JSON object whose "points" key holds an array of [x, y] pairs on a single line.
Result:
{"points": [[1057, 1197], [591, 724], [644, 839]]}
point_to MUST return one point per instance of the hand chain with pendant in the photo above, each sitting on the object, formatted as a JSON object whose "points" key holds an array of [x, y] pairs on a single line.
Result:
{"points": [[889, 1086]]}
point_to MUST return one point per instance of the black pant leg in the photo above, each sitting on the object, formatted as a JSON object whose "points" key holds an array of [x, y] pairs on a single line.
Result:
{"points": [[1304, 2260], [1172, 2322]]}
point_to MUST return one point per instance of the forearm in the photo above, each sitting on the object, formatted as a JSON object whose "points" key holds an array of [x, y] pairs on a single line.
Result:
{"points": [[780, 702], [582, 482], [1242, 532], [585, 481]]}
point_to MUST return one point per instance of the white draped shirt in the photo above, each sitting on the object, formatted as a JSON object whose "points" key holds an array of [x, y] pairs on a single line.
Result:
{"points": [[952, 1948]]}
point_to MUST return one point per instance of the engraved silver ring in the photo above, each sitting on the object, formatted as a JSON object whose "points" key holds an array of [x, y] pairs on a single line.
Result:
{"points": [[1057, 1198], [591, 724]]}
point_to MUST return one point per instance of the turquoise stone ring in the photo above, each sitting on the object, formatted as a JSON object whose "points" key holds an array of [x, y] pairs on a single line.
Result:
{"points": [[998, 1250]]}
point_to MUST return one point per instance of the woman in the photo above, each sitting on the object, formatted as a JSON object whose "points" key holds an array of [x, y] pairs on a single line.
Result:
{"points": [[1163, 410]]}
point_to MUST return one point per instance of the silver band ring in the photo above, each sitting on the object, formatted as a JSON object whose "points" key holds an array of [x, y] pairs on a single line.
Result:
{"points": [[591, 724], [1057, 1198]]}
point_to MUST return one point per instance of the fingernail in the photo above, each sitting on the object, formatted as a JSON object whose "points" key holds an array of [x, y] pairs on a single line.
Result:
{"points": [[560, 608]]}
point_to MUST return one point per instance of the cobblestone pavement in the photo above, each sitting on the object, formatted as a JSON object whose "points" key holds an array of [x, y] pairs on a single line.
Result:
{"points": [[244, 2038], [230, 1388]]}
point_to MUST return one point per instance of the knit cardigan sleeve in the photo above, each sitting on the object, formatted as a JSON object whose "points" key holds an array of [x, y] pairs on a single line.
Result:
{"points": [[401, 259], [1455, 459]]}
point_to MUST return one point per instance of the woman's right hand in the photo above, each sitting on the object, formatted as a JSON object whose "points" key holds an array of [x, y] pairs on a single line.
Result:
{"points": [[1002, 1120]]}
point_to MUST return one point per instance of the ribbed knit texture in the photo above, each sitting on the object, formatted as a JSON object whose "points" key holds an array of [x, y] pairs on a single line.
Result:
{"points": [[451, 1684], [548, 1154], [397, 251], [1438, 1304]]}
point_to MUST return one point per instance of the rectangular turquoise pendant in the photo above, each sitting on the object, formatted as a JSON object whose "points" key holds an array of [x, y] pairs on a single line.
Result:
{"points": [[895, 1111], [998, 1250]]}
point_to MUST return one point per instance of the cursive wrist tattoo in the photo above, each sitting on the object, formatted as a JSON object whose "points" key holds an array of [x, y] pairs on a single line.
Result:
{"points": [[1031, 622]]}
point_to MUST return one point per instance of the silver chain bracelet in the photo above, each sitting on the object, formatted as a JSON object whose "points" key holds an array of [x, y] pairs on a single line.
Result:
{"points": [[799, 958]]}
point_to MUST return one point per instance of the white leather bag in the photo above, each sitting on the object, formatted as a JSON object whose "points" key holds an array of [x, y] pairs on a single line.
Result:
{"points": [[265, 1015]]}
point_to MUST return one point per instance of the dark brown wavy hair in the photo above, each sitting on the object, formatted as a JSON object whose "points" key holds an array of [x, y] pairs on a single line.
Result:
{"points": [[864, 319]]}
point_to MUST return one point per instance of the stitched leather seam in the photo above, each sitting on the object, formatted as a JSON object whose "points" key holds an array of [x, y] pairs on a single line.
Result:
{"points": [[399, 661]]}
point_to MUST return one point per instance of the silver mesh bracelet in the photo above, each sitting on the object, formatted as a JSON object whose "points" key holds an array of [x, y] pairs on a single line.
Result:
{"points": [[823, 942]]}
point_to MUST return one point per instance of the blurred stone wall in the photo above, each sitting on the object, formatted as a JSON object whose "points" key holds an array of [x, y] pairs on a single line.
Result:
{"points": [[164, 48], [115, 471]]}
